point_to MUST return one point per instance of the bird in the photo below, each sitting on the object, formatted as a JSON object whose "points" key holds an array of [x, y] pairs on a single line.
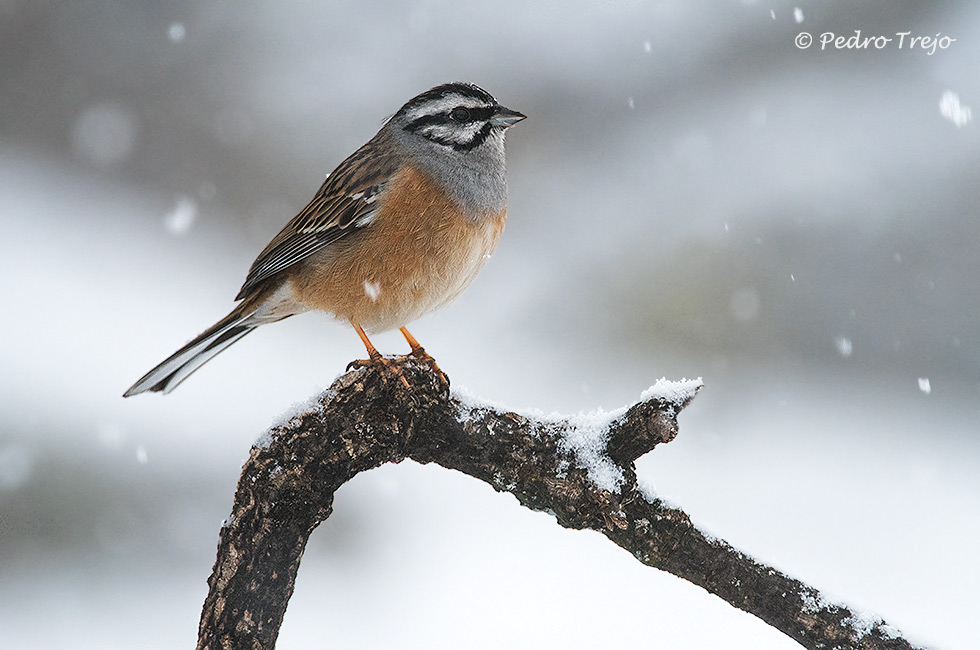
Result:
{"points": [[399, 229]]}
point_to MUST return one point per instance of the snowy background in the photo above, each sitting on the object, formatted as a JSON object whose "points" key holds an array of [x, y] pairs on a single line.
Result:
{"points": [[692, 195]]}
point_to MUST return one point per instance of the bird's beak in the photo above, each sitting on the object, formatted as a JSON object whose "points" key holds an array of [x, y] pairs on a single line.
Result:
{"points": [[505, 117]]}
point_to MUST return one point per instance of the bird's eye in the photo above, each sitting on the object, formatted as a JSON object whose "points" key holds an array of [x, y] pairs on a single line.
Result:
{"points": [[460, 114]]}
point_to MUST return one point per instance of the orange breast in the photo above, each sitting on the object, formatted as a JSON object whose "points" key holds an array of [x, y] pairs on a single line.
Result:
{"points": [[418, 255]]}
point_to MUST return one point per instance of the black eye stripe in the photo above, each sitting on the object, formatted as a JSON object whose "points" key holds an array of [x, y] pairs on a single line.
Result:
{"points": [[477, 114], [481, 113], [426, 120]]}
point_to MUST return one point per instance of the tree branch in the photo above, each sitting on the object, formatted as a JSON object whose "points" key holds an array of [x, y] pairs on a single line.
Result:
{"points": [[579, 469]]}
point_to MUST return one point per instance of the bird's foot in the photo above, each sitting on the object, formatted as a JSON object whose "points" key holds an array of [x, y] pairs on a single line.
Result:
{"points": [[419, 354], [388, 366]]}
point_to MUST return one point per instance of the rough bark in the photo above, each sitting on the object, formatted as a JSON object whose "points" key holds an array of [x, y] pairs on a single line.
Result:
{"points": [[368, 417]]}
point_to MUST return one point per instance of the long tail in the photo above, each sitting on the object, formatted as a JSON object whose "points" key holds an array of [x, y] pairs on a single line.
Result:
{"points": [[179, 366], [273, 302]]}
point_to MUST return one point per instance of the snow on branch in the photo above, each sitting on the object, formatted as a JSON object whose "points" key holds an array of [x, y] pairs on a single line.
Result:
{"points": [[580, 469]]}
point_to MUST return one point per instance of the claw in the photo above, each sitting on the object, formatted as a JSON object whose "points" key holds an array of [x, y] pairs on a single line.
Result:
{"points": [[375, 358], [388, 365], [424, 357], [391, 365], [419, 353]]}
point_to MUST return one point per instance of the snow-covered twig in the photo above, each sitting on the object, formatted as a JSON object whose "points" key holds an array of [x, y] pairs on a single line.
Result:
{"points": [[580, 469]]}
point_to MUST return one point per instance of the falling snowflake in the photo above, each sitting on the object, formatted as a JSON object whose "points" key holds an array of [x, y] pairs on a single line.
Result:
{"points": [[952, 110]]}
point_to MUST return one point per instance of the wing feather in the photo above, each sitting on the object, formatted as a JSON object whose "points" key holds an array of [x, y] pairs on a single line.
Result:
{"points": [[346, 201]]}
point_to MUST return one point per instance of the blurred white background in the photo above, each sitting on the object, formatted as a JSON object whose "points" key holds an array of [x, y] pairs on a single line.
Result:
{"points": [[692, 195]]}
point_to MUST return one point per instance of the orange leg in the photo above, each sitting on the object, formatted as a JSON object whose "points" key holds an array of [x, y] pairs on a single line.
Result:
{"points": [[417, 348], [374, 357], [419, 353], [371, 350]]}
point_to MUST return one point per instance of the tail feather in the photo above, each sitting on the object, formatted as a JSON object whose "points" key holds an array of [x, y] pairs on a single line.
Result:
{"points": [[179, 366], [268, 303]]}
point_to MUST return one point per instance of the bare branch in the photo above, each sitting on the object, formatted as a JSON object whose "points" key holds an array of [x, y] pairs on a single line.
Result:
{"points": [[580, 469]]}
